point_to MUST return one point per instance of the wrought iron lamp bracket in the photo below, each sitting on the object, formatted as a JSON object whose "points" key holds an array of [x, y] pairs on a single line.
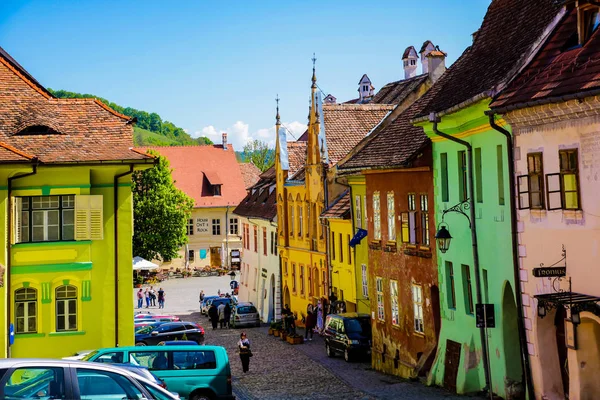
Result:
{"points": [[460, 208]]}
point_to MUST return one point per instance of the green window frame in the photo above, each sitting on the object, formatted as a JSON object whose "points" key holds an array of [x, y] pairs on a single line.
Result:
{"points": [[66, 308], [26, 310], [47, 218]]}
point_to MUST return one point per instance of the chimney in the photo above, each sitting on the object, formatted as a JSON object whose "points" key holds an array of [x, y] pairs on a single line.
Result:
{"points": [[436, 64], [426, 48], [224, 141], [409, 59]]}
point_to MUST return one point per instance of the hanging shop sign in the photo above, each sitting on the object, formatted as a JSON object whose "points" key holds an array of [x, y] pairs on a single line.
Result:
{"points": [[549, 272]]}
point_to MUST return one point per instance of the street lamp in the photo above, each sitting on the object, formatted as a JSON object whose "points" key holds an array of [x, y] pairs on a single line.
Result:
{"points": [[541, 310], [443, 238], [575, 317]]}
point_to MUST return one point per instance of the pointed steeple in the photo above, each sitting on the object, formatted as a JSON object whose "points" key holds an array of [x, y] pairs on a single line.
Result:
{"points": [[313, 148], [277, 118], [314, 76], [281, 155]]}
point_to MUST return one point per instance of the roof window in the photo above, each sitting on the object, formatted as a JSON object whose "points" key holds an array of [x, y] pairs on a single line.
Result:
{"points": [[216, 190], [38, 130], [588, 20]]}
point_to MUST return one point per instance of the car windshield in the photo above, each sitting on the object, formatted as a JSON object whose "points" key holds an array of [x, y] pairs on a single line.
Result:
{"points": [[246, 310], [360, 326]]}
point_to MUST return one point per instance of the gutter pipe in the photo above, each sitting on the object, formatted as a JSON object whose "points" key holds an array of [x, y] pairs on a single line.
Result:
{"points": [[526, 376], [9, 255], [116, 273], [486, 363]]}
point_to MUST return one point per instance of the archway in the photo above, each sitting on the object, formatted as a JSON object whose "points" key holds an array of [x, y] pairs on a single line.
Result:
{"points": [[272, 299], [588, 358], [435, 310], [552, 353], [512, 346]]}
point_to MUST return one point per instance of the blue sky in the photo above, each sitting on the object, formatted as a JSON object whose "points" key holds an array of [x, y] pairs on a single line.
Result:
{"points": [[217, 66]]}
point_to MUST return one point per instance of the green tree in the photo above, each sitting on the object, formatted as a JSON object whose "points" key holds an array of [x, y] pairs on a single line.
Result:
{"points": [[160, 213], [259, 154]]}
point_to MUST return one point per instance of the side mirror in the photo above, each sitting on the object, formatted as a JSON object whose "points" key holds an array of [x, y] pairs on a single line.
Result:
{"points": [[154, 333]]}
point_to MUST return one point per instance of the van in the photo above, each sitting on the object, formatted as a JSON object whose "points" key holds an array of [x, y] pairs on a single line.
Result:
{"points": [[194, 372], [349, 334]]}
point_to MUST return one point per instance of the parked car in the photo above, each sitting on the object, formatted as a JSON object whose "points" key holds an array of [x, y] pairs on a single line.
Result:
{"points": [[205, 304], [78, 356], [178, 343], [162, 318], [147, 325], [348, 333], [55, 379], [195, 372], [171, 331], [143, 372], [244, 314]]}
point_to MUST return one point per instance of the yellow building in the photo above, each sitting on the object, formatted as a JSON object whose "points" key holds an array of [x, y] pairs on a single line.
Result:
{"points": [[215, 180], [66, 205], [306, 185]]}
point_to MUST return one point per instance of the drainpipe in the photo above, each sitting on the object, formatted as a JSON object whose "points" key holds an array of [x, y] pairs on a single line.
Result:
{"points": [[526, 377], [9, 241], [116, 212], [471, 200]]}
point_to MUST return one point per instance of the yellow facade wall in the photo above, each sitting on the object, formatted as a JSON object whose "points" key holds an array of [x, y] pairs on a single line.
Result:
{"points": [[343, 279]]}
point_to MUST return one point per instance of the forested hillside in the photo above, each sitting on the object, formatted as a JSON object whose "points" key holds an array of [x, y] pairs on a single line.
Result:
{"points": [[150, 129]]}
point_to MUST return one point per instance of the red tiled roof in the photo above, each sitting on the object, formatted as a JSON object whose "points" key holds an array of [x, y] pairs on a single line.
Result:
{"points": [[82, 130], [555, 70], [340, 208], [250, 173], [296, 156], [396, 92], [407, 51], [213, 177], [261, 202], [191, 163], [509, 32]]}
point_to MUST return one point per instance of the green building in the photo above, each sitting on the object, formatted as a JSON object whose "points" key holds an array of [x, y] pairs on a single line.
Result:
{"points": [[472, 179]]}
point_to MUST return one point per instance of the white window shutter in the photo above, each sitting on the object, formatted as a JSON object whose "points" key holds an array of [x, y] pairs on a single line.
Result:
{"points": [[17, 209], [89, 223]]}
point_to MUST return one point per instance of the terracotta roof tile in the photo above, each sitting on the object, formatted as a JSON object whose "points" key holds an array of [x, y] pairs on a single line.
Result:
{"points": [[250, 173], [340, 208], [396, 92], [555, 70], [296, 156], [261, 201], [191, 163], [509, 32]]}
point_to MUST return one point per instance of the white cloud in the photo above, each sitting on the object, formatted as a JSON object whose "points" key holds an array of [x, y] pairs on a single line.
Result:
{"points": [[239, 133]]}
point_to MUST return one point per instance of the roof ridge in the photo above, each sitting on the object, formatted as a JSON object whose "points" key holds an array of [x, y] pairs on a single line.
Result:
{"points": [[366, 107], [31, 82], [188, 145]]}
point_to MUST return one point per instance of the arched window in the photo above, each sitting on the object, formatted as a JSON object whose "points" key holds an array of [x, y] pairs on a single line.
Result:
{"points": [[26, 310], [66, 308]]}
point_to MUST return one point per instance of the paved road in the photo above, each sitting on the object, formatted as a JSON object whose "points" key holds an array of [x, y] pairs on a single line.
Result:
{"points": [[181, 294], [279, 370]]}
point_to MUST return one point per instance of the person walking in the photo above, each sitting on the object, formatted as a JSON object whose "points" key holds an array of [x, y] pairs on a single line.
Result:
{"points": [[152, 297], [213, 315], [245, 352], [161, 298], [309, 326], [221, 310], [201, 296], [147, 293], [320, 316], [140, 298], [227, 313]]}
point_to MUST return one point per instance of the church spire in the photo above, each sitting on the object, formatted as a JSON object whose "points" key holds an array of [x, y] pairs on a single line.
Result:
{"points": [[314, 76], [277, 118]]}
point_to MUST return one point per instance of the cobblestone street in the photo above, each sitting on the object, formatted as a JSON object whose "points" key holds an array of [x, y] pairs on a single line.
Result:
{"points": [[279, 370]]}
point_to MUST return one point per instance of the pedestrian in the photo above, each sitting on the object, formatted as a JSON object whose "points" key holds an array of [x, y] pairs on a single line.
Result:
{"points": [[201, 296], [221, 310], [140, 298], [311, 322], [161, 298], [227, 312], [152, 296], [320, 316], [245, 352], [213, 315], [147, 293], [219, 292]]}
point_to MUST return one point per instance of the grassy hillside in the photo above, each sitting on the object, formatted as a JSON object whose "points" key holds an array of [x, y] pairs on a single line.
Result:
{"points": [[143, 137]]}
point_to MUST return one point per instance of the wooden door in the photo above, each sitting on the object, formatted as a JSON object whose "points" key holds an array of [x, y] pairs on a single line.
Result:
{"points": [[452, 363]]}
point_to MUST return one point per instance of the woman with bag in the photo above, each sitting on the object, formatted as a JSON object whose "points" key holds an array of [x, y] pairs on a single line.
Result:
{"points": [[245, 352]]}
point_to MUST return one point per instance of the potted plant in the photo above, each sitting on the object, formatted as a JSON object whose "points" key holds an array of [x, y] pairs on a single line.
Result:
{"points": [[283, 335], [295, 339], [275, 326], [276, 333]]}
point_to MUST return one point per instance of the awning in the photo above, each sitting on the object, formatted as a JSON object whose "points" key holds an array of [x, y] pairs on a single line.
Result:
{"points": [[358, 236], [213, 177], [581, 302], [140, 264]]}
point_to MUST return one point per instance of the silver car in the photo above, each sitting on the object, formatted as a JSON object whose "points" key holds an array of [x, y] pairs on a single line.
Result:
{"points": [[65, 379], [244, 314]]}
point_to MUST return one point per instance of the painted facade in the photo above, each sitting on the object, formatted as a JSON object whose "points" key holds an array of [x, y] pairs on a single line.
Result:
{"points": [[214, 232], [66, 203], [260, 279], [556, 183], [358, 196]]}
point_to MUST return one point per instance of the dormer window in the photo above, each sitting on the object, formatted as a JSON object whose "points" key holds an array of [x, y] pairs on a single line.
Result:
{"points": [[588, 19], [216, 190], [214, 181], [38, 130]]}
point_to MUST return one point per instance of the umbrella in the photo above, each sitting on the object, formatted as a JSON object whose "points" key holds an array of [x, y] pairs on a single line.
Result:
{"points": [[139, 264]]}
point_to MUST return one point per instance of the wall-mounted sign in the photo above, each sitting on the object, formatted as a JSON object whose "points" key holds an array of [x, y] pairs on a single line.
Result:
{"points": [[202, 226], [485, 316], [549, 272]]}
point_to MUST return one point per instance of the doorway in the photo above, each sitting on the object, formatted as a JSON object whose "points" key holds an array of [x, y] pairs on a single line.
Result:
{"points": [[561, 346], [452, 361], [588, 357], [435, 310], [510, 336], [272, 299]]}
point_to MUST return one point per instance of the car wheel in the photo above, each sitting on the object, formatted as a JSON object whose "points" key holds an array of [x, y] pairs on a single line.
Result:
{"points": [[140, 344], [347, 356], [201, 396], [329, 350]]}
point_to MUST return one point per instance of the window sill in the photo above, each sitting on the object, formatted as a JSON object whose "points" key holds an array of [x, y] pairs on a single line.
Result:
{"points": [[419, 334], [29, 335], [55, 243], [67, 333], [573, 214]]}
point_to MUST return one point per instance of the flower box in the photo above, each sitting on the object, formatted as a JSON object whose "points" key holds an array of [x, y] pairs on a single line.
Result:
{"points": [[271, 331], [276, 333], [295, 339], [283, 335]]}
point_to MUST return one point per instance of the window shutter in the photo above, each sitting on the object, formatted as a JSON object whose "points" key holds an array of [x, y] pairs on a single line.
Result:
{"points": [[412, 222], [89, 217], [554, 191], [17, 208], [523, 185]]}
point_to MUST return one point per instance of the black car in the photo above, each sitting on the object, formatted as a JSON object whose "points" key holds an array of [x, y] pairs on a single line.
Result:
{"points": [[171, 331], [348, 333]]}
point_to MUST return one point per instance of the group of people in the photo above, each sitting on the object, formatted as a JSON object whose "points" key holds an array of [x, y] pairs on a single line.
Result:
{"points": [[312, 322], [220, 314], [151, 296]]}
